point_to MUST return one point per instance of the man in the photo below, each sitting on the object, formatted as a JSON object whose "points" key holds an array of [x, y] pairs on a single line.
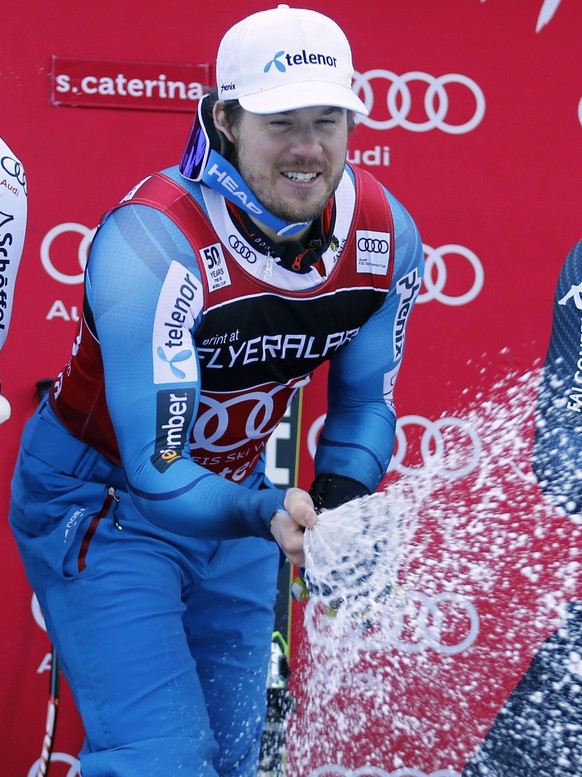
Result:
{"points": [[538, 732], [144, 517], [13, 212]]}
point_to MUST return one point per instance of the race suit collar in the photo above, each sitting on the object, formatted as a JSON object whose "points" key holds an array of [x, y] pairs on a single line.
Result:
{"points": [[299, 257]]}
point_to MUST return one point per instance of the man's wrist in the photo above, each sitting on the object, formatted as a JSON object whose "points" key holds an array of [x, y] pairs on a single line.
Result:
{"points": [[329, 491]]}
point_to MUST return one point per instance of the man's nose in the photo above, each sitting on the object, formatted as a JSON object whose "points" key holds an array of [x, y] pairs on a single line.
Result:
{"points": [[306, 141]]}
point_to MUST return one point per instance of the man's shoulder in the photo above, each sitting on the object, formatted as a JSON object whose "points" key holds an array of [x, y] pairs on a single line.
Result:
{"points": [[192, 188]]}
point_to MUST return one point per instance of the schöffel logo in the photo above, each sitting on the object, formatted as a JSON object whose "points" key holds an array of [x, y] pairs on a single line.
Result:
{"points": [[298, 59], [173, 416]]}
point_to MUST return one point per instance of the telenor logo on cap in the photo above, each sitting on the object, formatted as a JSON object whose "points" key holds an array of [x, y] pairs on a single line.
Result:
{"points": [[299, 59]]}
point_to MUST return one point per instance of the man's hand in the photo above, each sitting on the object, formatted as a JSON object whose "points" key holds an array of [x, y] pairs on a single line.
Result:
{"points": [[288, 527]]}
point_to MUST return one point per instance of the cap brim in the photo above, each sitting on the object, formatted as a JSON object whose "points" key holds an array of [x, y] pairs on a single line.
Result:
{"points": [[303, 95]]}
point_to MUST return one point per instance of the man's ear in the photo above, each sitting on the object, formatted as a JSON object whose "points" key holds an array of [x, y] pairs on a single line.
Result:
{"points": [[220, 121]]}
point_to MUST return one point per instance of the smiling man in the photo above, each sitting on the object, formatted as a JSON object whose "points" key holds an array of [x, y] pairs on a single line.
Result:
{"points": [[213, 291], [293, 161]]}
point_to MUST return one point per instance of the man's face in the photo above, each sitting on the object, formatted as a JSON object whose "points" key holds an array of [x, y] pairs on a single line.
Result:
{"points": [[292, 161]]}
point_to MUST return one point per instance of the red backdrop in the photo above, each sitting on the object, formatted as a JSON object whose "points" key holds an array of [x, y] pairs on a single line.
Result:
{"points": [[475, 125]]}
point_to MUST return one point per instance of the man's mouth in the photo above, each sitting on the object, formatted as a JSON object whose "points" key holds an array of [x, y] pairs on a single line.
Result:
{"points": [[301, 177]]}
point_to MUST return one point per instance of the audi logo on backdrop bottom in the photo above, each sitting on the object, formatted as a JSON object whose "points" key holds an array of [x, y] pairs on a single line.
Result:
{"points": [[335, 770], [445, 623], [74, 769]]}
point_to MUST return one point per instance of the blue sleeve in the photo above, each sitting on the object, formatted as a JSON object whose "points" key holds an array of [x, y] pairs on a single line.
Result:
{"points": [[139, 262], [358, 435], [557, 453]]}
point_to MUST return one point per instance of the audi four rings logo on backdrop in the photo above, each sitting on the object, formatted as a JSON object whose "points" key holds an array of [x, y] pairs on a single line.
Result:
{"points": [[431, 455], [446, 623], [440, 266], [397, 95], [452, 461], [439, 284], [51, 261], [335, 770]]}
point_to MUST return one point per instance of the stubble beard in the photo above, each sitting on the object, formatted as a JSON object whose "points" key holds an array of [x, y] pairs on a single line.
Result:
{"points": [[264, 189]]}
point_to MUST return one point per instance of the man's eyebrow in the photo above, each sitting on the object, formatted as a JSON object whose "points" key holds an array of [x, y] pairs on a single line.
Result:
{"points": [[326, 109]]}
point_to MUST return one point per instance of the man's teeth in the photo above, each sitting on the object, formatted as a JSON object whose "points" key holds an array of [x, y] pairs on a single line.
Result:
{"points": [[301, 177]]}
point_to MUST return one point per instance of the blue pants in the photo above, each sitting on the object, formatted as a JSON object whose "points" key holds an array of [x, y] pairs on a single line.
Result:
{"points": [[164, 639]]}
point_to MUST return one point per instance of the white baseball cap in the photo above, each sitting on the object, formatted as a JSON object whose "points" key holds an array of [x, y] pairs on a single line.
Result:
{"points": [[286, 58]]}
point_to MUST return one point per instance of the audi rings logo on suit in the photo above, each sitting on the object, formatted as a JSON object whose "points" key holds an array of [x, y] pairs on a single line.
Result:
{"points": [[373, 245], [241, 249]]}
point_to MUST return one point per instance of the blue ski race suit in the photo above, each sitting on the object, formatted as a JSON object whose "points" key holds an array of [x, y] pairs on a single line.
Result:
{"points": [[140, 502]]}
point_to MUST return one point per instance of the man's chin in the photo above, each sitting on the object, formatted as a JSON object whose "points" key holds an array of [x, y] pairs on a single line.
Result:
{"points": [[295, 214]]}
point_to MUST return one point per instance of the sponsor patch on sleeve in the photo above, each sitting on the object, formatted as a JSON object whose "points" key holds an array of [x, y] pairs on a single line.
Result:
{"points": [[174, 412], [179, 304]]}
